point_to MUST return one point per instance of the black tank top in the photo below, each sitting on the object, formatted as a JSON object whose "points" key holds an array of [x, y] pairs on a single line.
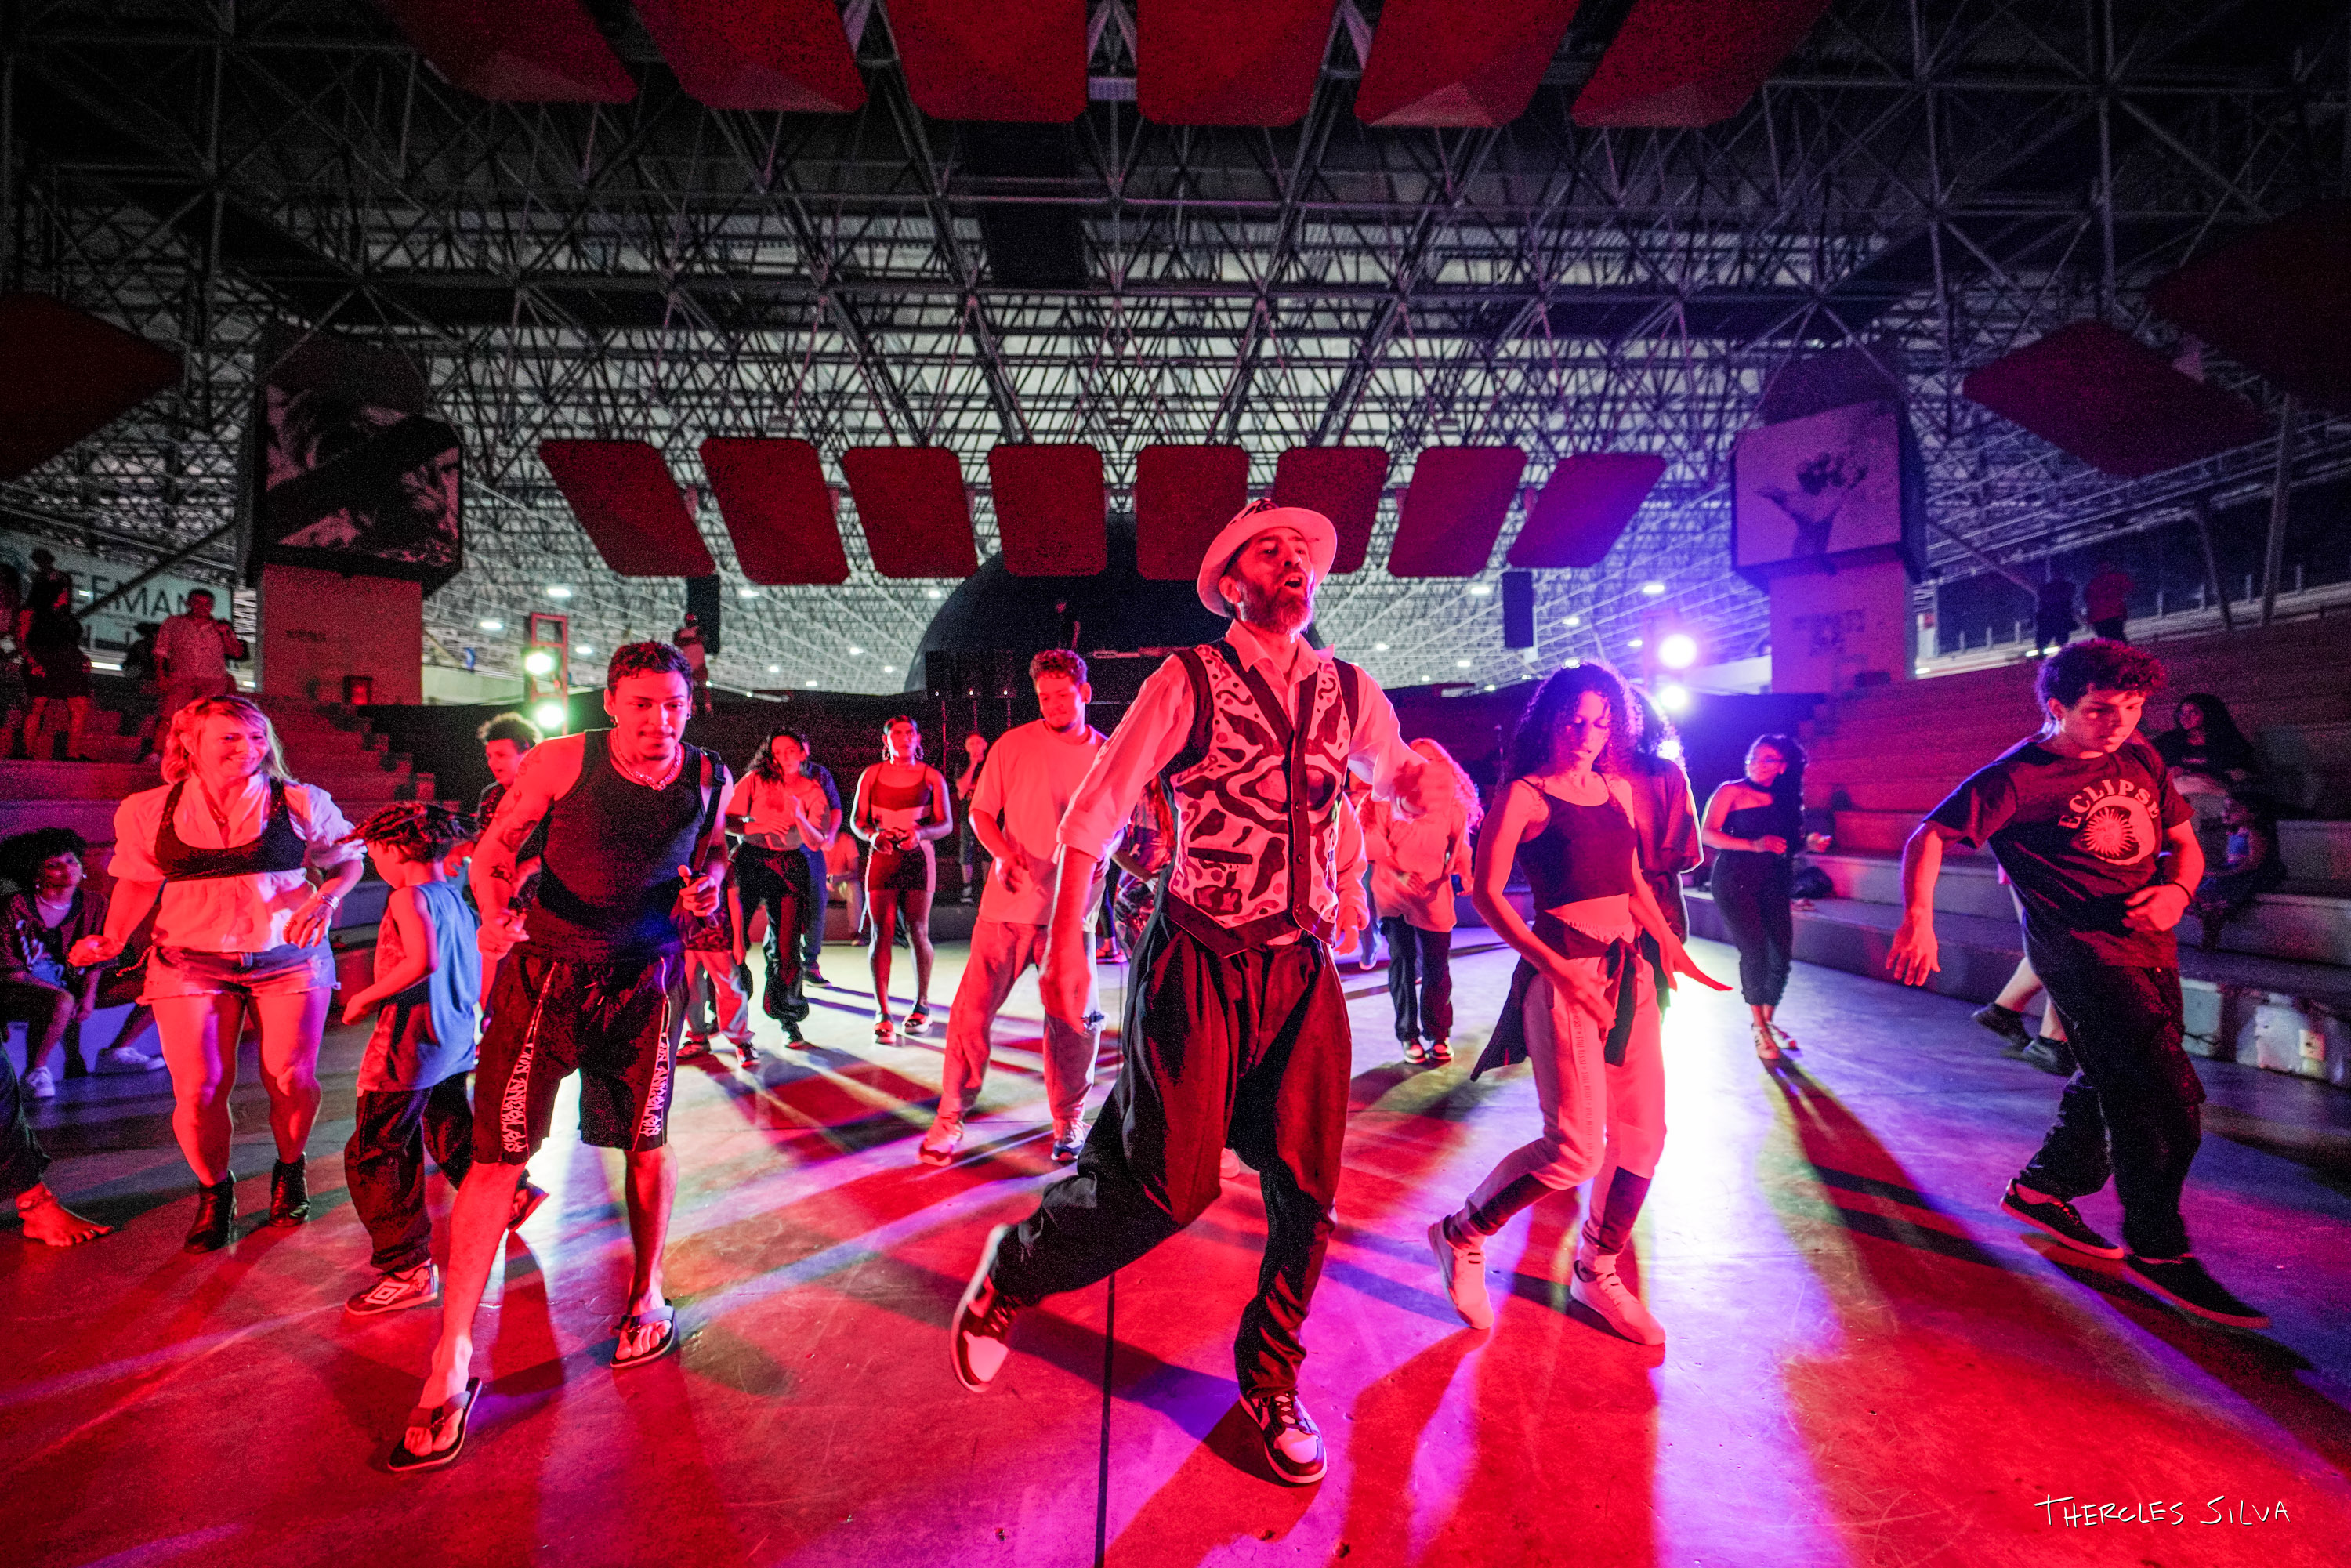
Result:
{"points": [[280, 846], [1582, 852], [608, 874], [1757, 821]]}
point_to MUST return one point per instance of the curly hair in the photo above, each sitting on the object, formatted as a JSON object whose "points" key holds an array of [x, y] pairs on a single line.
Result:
{"points": [[179, 747], [646, 659], [1536, 740], [510, 726], [417, 829], [1462, 786], [1059, 662], [764, 764], [2069, 672], [22, 855]]}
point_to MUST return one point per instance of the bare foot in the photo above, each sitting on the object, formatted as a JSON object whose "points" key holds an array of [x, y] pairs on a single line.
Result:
{"points": [[443, 1383], [52, 1223]]}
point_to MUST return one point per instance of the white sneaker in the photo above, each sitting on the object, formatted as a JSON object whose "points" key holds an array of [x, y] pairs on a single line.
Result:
{"points": [[1462, 1267], [1069, 1137], [940, 1143], [1597, 1285], [1229, 1166], [126, 1058], [39, 1085]]}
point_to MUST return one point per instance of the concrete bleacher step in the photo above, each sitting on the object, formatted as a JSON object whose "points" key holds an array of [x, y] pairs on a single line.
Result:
{"points": [[2316, 855], [2286, 1017]]}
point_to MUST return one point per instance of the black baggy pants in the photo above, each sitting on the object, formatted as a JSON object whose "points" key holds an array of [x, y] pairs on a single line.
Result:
{"points": [[22, 1161], [1420, 979], [1750, 891], [777, 881], [1250, 1051], [383, 1164], [2132, 1112]]}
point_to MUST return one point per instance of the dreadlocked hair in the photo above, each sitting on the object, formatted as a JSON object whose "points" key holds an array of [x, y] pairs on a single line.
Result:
{"points": [[418, 829]]}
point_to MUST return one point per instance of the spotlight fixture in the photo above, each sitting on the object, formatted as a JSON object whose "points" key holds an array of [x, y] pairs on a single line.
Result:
{"points": [[1460, 663], [540, 662], [746, 594], [808, 683], [1575, 621], [1677, 651], [557, 591], [1379, 647], [775, 669], [1653, 588], [583, 650], [491, 625], [1674, 699], [1481, 590], [856, 651], [933, 593], [550, 718], [1633, 644]]}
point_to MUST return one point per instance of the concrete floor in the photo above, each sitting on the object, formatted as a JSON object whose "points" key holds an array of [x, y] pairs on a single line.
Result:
{"points": [[1868, 1365]]}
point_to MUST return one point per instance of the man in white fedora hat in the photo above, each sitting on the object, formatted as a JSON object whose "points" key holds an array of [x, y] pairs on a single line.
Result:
{"points": [[1235, 1032]]}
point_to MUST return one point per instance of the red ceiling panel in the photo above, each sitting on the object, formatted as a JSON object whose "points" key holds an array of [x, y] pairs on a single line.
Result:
{"points": [[89, 374], [516, 51], [777, 509], [1439, 62], [911, 503], [1049, 509], [779, 56], [2113, 401], [1006, 60], [2277, 301], [1453, 510], [1343, 484], [1230, 62], [1581, 512], [622, 494], [1183, 495], [1691, 62]]}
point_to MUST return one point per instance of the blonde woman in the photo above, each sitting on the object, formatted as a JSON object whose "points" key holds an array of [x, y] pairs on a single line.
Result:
{"points": [[1414, 861], [223, 853]]}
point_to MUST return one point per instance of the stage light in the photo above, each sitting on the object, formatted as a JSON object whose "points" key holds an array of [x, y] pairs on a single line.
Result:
{"points": [[1379, 647], [746, 594], [1481, 590], [1674, 699], [1633, 644], [1575, 621], [808, 683], [550, 718], [1677, 651], [1653, 588], [775, 669], [856, 651], [583, 650], [538, 662], [1460, 663], [491, 625], [557, 591], [933, 593]]}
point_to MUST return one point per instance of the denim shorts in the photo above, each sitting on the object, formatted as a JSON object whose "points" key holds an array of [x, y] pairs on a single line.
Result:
{"points": [[283, 971]]}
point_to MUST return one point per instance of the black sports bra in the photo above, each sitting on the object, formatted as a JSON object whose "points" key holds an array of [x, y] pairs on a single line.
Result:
{"points": [[278, 848]]}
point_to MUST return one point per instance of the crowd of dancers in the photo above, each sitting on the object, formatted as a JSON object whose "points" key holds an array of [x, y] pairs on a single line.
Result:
{"points": [[1252, 789]]}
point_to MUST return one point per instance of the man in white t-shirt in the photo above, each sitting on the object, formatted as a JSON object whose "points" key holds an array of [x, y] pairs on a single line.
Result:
{"points": [[1025, 784], [191, 655]]}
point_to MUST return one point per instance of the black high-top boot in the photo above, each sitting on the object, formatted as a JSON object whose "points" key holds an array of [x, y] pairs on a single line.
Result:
{"points": [[216, 1217], [289, 1192]]}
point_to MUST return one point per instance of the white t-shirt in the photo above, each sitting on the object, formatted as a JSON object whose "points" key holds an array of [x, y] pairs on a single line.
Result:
{"points": [[192, 650], [1027, 782]]}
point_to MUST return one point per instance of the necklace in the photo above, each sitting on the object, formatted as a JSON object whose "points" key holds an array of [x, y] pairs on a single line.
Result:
{"points": [[660, 781]]}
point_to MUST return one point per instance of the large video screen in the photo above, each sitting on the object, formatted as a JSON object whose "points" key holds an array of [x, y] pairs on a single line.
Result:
{"points": [[1819, 486], [354, 474]]}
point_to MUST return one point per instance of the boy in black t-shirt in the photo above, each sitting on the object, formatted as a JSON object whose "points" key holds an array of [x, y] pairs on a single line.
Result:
{"points": [[2103, 857]]}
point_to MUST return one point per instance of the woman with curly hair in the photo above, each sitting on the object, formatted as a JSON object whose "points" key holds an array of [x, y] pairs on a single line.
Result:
{"points": [[222, 851], [1755, 824], [1584, 1002], [1414, 861]]}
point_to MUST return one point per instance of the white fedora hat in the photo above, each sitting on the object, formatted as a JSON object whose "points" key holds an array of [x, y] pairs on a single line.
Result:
{"points": [[1321, 544]]}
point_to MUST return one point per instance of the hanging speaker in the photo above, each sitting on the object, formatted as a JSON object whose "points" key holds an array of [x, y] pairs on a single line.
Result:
{"points": [[1518, 610]]}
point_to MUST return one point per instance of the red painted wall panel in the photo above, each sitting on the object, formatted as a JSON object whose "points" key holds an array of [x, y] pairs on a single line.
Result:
{"points": [[777, 509], [1183, 495], [1230, 62], [911, 503], [781, 56], [1006, 60], [1691, 62], [1049, 509], [89, 374], [622, 494], [1343, 484], [516, 51], [1439, 62], [1453, 510], [2101, 394], [1584, 507], [2277, 301]]}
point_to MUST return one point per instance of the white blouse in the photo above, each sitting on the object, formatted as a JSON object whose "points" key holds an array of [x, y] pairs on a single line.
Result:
{"points": [[228, 914]]}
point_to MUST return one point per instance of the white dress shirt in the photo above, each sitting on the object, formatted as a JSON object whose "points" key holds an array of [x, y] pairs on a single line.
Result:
{"points": [[228, 914]]}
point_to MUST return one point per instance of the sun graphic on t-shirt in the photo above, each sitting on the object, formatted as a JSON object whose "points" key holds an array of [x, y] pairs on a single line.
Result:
{"points": [[2116, 833]]}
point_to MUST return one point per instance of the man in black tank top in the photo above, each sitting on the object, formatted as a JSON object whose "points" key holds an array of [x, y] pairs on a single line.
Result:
{"points": [[593, 982]]}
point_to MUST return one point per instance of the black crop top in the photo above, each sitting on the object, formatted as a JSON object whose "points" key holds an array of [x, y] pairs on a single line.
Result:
{"points": [[1760, 821], [1582, 852], [278, 847]]}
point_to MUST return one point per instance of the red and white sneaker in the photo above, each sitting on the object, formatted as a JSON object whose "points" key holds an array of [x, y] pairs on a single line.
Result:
{"points": [[1461, 1264], [981, 1333], [417, 1287], [1293, 1444]]}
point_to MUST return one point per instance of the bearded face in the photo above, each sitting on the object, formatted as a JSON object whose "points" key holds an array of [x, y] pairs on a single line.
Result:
{"points": [[1270, 582]]}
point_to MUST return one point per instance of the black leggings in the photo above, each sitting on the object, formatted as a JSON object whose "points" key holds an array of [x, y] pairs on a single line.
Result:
{"points": [[1751, 892]]}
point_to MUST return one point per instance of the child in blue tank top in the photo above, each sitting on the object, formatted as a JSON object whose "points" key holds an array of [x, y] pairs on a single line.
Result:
{"points": [[412, 1082]]}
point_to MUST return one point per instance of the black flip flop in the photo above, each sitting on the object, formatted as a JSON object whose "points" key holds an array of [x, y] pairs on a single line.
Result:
{"points": [[405, 1461], [666, 1316]]}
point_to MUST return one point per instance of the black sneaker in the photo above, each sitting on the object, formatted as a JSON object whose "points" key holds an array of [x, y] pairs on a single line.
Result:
{"points": [[2052, 1056], [2056, 1217], [980, 1334], [2007, 1023], [2183, 1282], [1293, 1444]]}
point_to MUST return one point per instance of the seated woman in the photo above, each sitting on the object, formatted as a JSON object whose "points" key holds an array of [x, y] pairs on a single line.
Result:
{"points": [[2250, 867], [2209, 757]]}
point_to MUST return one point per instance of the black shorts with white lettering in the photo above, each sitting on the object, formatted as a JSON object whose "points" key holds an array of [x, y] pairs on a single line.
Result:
{"points": [[615, 1024]]}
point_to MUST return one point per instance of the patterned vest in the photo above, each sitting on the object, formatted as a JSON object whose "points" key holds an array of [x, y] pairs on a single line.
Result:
{"points": [[1256, 792]]}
